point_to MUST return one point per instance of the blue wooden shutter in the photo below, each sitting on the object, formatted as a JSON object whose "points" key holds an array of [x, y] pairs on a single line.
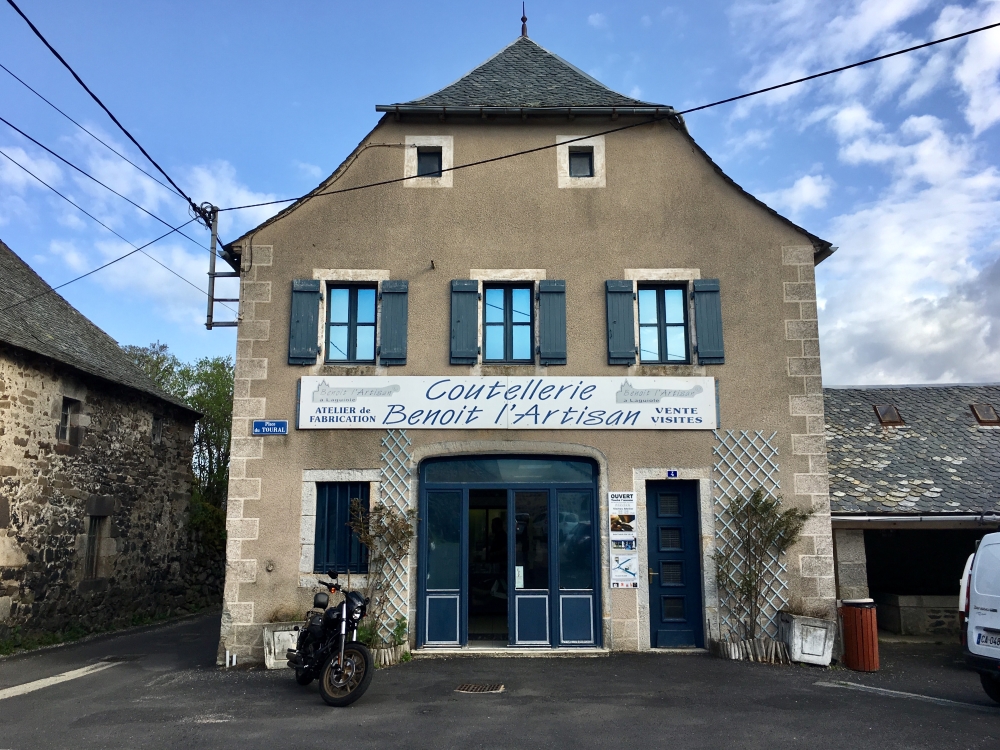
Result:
{"points": [[464, 321], [303, 328], [392, 346], [708, 322], [336, 545], [552, 322], [621, 323]]}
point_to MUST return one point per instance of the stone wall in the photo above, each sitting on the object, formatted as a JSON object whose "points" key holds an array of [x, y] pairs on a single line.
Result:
{"points": [[109, 466], [852, 564]]}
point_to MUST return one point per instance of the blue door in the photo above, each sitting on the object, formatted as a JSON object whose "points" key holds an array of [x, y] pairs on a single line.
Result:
{"points": [[508, 553], [676, 614]]}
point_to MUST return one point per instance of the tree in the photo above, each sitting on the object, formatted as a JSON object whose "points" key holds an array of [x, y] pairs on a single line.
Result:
{"points": [[207, 386]]}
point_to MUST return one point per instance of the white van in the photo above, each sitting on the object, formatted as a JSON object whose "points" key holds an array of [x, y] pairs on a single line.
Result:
{"points": [[982, 651]]}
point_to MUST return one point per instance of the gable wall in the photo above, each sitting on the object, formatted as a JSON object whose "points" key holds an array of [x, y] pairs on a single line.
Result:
{"points": [[664, 206]]}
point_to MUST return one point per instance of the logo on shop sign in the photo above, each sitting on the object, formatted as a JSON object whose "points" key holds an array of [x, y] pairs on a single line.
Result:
{"points": [[270, 427]]}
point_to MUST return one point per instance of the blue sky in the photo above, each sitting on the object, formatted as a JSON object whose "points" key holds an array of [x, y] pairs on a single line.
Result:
{"points": [[896, 163]]}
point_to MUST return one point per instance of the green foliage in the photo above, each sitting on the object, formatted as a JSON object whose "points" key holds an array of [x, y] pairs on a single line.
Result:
{"points": [[386, 533], [760, 530], [399, 632], [207, 386], [368, 634], [407, 656], [208, 521]]}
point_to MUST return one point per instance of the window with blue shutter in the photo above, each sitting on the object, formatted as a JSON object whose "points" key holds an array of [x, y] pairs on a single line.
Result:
{"points": [[708, 322], [663, 335], [621, 323], [552, 322], [337, 547], [508, 323], [464, 322], [303, 338], [392, 346]]}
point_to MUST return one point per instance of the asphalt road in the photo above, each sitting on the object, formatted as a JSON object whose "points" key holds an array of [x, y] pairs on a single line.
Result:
{"points": [[165, 692]]}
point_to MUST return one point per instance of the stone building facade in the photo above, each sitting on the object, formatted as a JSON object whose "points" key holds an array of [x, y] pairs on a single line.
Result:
{"points": [[95, 471], [367, 312]]}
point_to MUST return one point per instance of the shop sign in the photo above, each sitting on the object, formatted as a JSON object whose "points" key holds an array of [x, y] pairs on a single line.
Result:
{"points": [[624, 555], [506, 403]]}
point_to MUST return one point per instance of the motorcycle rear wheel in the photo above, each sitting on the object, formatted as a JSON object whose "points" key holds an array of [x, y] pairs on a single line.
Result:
{"points": [[343, 687]]}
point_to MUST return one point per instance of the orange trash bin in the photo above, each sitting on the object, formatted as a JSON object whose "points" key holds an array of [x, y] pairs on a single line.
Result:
{"points": [[860, 635]]}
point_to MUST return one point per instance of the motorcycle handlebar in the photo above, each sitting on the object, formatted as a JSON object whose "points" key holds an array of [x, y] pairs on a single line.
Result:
{"points": [[330, 585]]}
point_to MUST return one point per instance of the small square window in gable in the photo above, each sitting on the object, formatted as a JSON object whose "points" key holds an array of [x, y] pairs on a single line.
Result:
{"points": [[888, 415], [985, 414], [580, 161], [428, 161]]}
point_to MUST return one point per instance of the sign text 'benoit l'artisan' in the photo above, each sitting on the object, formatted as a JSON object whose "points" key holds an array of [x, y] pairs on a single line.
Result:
{"points": [[511, 403]]}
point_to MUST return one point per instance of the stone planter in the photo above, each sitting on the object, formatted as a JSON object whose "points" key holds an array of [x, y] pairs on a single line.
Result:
{"points": [[809, 639], [278, 638]]}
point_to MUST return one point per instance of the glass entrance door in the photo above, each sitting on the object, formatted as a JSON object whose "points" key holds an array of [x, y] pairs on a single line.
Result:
{"points": [[507, 553], [531, 568]]}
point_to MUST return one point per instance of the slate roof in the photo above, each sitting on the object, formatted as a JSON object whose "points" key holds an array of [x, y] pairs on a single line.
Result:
{"points": [[48, 325], [524, 74], [941, 461]]}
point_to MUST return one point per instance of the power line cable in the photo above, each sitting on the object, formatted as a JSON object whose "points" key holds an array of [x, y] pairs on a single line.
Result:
{"points": [[123, 239], [103, 185], [88, 132], [99, 268], [654, 118], [197, 209]]}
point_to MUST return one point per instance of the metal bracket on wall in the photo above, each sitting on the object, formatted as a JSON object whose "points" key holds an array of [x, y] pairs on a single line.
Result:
{"points": [[210, 215]]}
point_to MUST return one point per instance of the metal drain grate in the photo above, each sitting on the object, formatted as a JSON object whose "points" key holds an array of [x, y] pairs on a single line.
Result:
{"points": [[479, 689]]}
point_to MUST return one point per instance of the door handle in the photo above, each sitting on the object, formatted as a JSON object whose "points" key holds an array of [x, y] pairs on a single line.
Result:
{"points": [[651, 574]]}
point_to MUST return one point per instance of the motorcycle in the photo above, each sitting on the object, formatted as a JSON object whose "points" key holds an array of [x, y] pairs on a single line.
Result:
{"points": [[327, 647]]}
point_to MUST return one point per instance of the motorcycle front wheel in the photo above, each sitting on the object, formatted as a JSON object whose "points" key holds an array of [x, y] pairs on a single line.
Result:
{"points": [[341, 687]]}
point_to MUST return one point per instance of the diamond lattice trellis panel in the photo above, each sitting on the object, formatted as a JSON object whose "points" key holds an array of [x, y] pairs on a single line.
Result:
{"points": [[744, 461], [396, 492]]}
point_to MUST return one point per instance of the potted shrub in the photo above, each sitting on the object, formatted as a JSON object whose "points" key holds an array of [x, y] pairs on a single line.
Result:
{"points": [[761, 530]]}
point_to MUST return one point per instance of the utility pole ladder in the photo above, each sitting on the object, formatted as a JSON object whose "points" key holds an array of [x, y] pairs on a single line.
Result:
{"points": [[211, 217]]}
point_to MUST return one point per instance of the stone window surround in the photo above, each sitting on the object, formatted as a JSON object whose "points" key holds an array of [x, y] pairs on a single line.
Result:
{"points": [[653, 275], [562, 162], [447, 145], [508, 275], [347, 275], [706, 524], [307, 523]]}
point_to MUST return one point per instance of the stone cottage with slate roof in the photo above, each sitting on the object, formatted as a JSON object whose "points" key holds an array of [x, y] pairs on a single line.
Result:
{"points": [[911, 497], [95, 469], [533, 313]]}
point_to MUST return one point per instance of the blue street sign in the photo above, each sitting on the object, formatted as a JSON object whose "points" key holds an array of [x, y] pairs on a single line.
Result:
{"points": [[270, 427], [670, 474]]}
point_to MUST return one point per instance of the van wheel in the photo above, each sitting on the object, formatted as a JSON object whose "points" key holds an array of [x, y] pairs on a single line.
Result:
{"points": [[991, 684]]}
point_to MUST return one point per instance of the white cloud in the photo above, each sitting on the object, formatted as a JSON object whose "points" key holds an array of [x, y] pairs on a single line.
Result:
{"points": [[978, 62], [646, 21], [597, 20], [67, 254], [809, 191], [905, 293], [311, 171], [217, 183], [16, 179], [635, 92]]}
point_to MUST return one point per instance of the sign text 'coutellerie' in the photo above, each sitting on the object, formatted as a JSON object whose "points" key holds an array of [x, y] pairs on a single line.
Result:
{"points": [[514, 403]]}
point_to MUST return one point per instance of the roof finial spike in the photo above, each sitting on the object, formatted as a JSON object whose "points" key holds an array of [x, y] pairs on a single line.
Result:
{"points": [[524, 22]]}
